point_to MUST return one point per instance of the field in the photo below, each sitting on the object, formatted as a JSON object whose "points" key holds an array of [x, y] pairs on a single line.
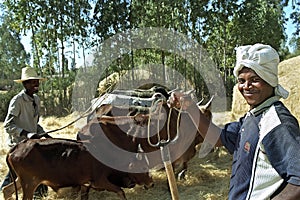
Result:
{"points": [[207, 178]]}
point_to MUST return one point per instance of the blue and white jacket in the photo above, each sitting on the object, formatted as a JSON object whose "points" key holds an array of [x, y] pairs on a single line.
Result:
{"points": [[265, 144]]}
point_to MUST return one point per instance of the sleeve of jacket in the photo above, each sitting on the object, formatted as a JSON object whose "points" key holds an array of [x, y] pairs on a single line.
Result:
{"points": [[9, 124]]}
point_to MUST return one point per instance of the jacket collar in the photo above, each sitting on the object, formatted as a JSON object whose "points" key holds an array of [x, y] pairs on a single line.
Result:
{"points": [[26, 97], [264, 106]]}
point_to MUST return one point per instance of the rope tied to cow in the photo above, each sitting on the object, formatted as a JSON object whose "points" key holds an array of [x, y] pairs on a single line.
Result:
{"points": [[87, 112], [168, 140]]}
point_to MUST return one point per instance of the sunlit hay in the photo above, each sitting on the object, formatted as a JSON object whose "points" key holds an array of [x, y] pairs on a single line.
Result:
{"points": [[221, 118], [239, 105], [208, 178], [67, 193], [54, 123], [286, 71]]}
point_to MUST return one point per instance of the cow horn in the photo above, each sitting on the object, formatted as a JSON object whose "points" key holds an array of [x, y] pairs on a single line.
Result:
{"points": [[200, 102], [208, 104], [189, 92], [140, 149], [171, 91]]}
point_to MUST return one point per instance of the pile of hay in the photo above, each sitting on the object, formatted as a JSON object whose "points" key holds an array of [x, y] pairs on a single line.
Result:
{"points": [[287, 71]]}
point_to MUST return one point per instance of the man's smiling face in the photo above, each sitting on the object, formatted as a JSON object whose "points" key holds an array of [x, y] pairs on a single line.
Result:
{"points": [[253, 88]]}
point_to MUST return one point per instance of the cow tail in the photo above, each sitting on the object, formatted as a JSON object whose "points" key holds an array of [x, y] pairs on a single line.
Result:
{"points": [[11, 172]]}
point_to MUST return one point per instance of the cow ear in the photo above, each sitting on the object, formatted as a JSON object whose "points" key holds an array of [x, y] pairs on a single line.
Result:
{"points": [[200, 102]]}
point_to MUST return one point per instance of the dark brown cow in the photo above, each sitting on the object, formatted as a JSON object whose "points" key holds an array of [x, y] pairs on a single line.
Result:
{"points": [[63, 163], [182, 150]]}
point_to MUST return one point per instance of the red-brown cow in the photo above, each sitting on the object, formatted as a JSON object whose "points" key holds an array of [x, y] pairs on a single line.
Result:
{"points": [[182, 150], [63, 163]]}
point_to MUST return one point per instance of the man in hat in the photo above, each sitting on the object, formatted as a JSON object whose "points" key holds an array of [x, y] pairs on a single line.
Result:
{"points": [[265, 143], [22, 118]]}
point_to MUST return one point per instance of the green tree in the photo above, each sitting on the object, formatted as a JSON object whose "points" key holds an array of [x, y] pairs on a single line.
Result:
{"points": [[13, 56], [55, 26], [260, 21], [295, 16]]}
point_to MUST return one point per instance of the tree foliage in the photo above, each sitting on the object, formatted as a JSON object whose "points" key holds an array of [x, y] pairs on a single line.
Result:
{"points": [[295, 16], [62, 30], [12, 53]]}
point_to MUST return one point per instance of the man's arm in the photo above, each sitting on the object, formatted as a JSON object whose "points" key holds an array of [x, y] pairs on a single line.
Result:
{"points": [[206, 128], [11, 128], [290, 192]]}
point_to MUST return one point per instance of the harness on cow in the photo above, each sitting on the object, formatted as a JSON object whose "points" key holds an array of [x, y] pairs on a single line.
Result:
{"points": [[165, 152], [154, 111]]}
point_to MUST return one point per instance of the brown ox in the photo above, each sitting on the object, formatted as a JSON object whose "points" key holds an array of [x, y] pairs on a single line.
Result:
{"points": [[136, 125], [63, 163]]}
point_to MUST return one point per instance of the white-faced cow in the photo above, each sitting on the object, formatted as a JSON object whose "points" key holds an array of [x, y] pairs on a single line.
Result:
{"points": [[68, 163]]}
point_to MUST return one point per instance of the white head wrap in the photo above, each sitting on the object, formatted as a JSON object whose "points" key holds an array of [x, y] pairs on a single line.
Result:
{"points": [[264, 60]]}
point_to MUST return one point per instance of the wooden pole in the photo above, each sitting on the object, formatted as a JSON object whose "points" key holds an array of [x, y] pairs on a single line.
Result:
{"points": [[170, 173]]}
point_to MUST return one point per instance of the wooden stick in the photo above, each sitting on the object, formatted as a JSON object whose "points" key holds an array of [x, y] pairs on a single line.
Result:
{"points": [[170, 173]]}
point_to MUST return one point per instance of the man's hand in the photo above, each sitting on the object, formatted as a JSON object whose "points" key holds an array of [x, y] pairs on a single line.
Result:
{"points": [[33, 136], [38, 136], [179, 100], [45, 135]]}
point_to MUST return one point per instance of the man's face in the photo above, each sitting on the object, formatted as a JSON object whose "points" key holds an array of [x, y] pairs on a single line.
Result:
{"points": [[253, 88], [32, 86]]}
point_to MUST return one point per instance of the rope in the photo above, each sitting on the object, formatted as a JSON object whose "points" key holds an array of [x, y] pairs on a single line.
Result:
{"points": [[84, 114], [160, 142]]}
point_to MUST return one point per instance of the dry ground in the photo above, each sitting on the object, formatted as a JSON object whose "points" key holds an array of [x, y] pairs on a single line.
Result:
{"points": [[207, 178]]}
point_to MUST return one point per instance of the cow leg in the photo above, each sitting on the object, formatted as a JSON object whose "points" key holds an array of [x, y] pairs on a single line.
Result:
{"points": [[181, 173], [84, 192], [28, 187], [9, 189], [107, 185]]}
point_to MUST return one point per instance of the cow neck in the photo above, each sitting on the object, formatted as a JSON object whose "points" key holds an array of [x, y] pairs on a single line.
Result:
{"points": [[206, 128]]}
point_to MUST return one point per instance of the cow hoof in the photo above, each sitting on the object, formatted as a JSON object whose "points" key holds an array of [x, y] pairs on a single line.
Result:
{"points": [[181, 175]]}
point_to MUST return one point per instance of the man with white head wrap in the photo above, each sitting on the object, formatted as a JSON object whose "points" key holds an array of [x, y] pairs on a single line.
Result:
{"points": [[265, 143], [264, 60]]}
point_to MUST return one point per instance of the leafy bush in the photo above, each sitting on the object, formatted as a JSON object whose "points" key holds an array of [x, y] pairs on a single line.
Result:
{"points": [[5, 97]]}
